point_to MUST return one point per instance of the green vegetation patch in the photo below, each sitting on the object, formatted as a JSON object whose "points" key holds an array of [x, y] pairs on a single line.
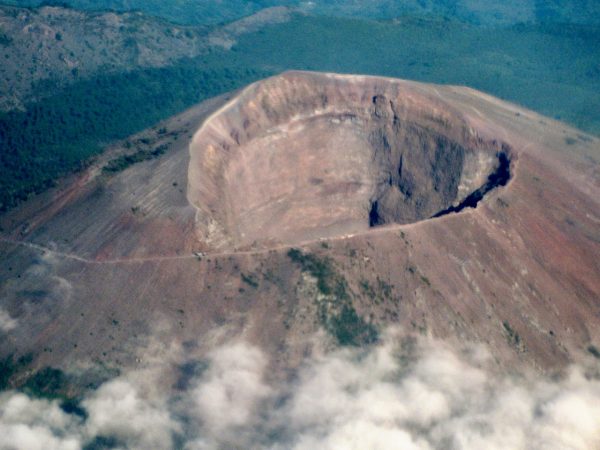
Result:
{"points": [[10, 367], [594, 351], [377, 292], [123, 162], [48, 383], [328, 281], [60, 134], [348, 327], [250, 280], [5, 39], [336, 312], [367, 289], [513, 336]]}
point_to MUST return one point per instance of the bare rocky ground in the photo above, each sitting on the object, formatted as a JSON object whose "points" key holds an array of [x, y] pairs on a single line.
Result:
{"points": [[271, 237]]}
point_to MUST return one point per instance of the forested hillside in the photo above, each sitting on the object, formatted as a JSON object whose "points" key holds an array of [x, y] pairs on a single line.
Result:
{"points": [[180, 11], [63, 45], [60, 133]]}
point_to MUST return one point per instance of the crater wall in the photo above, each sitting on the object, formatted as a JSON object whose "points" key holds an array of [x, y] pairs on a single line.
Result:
{"points": [[302, 156]]}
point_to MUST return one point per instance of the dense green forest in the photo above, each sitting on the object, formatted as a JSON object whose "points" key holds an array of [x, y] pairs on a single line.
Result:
{"points": [[553, 69], [60, 133]]}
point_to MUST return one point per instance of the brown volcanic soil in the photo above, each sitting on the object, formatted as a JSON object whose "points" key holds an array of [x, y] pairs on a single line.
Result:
{"points": [[306, 156]]}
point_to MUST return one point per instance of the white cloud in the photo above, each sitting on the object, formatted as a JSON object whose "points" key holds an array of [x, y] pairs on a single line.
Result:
{"points": [[35, 425], [38, 297], [117, 409], [7, 323], [430, 397], [226, 398], [442, 399]]}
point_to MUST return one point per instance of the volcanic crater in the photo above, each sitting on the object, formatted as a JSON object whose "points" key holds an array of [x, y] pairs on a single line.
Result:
{"points": [[300, 156]]}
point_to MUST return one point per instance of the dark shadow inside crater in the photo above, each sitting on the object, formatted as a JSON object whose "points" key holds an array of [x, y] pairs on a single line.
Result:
{"points": [[425, 171], [499, 177]]}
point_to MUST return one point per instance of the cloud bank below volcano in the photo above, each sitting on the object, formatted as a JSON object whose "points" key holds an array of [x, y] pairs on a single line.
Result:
{"points": [[418, 394]]}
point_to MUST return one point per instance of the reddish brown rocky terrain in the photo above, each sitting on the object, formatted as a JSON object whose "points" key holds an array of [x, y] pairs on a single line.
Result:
{"points": [[311, 198]]}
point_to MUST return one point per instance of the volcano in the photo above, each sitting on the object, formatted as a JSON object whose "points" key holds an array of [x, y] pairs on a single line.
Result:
{"points": [[313, 202]]}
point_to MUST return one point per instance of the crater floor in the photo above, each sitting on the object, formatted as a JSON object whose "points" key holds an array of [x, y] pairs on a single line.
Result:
{"points": [[291, 159]]}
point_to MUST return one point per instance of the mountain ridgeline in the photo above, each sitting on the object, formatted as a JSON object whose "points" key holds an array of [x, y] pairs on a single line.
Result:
{"points": [[490, 12]]}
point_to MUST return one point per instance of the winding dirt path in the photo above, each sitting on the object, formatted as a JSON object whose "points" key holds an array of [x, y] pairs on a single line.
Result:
{"points": [[161, 258]]}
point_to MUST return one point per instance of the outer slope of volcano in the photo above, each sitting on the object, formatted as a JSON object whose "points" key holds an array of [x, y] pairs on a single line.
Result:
{"points": [[90, 273]]}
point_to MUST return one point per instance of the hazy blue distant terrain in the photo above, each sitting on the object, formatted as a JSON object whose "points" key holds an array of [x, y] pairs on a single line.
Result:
{"points": [[474, 11], [182, 11], [554, 69]]}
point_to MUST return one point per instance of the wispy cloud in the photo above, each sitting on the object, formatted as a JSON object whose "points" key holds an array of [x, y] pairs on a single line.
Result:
{"points": [[227, 396], [7, 323], [31, 424], [442, 399], [37, 297], [117, 409], [421, 396]]}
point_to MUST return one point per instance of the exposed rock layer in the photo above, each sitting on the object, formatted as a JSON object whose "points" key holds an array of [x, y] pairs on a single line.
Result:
{"points": [[291, 160]]}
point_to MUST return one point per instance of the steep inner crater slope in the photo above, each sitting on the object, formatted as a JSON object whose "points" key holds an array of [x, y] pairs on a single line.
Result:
{"points": [[303, 156]]}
